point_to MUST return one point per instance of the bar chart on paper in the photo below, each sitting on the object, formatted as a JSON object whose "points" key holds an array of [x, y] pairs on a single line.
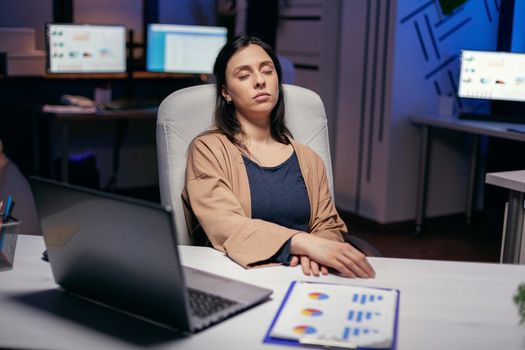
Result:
{"points": [[364, 316], [365, 298]]}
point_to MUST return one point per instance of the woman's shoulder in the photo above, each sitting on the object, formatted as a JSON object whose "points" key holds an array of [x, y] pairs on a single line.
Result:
{"points": [[211, 138]]}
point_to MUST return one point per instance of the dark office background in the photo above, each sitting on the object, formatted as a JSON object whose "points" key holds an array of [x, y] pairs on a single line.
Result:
{"points": [[374, 79]]}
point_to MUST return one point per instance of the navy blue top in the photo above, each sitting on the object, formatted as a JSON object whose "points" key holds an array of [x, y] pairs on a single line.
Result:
{"points": [[279, 195]]}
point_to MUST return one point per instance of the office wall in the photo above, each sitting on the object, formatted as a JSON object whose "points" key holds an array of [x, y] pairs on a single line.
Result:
{"points": [[518, 31], [199, 12], [430, 43], [396, 59], [27, 13], [124, 12]]}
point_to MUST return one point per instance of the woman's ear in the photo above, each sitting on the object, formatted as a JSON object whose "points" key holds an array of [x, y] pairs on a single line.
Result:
{"points": [[226, 95]]}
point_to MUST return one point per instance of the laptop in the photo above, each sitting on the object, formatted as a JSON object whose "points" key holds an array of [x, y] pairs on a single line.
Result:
{"points": [[122, 253]]}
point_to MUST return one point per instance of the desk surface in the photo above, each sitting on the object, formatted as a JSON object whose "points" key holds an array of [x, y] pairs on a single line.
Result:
{"points": [[130, 113], [493, 129], [513, 180], [443, 305]]}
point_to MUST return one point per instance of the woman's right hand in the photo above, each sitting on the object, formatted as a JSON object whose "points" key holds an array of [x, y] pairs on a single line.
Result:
{"points": [[342, 257]]}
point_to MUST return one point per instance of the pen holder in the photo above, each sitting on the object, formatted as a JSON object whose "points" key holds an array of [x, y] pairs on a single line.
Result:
{"points": [[446, 107], [8, 236]]}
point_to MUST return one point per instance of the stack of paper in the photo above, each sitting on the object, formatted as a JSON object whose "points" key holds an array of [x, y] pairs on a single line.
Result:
{"points": [[68, 109], [319, 313]]}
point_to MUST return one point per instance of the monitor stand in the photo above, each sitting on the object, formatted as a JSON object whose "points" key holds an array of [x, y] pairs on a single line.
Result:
{"points": [[102, 94]]}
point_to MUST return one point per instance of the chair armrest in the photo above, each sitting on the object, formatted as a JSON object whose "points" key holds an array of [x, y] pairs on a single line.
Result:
{"points": [[362, 245]]}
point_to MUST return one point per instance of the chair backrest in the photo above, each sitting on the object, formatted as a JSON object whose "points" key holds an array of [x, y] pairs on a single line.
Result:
{"points": [[186, 113]]}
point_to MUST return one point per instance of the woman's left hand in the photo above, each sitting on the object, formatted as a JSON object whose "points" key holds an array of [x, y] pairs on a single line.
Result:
{"points": [[309, 266]]}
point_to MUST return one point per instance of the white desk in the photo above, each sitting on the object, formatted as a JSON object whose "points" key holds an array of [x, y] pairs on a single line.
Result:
{"points": [[444, 305], [513, 244], [475, 128]]}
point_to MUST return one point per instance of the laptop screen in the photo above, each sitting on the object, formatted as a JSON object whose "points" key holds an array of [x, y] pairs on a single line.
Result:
{"points": [[492, 75]]}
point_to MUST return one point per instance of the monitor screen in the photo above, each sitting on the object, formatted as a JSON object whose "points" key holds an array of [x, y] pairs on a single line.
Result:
{"points": [[183, 48], [85, 48], [492, 75]]}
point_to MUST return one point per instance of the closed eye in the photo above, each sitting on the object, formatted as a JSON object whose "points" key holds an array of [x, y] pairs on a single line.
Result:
{"points": [[243, 74]]}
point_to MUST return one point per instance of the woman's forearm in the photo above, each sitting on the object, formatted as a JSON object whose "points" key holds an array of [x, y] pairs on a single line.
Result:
{"points": [[300, 243]]}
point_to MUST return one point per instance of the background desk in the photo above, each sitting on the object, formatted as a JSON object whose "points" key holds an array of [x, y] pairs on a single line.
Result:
{"points": [[477, 129], [444, 305], [20, 96], [513, 244], [64, 119]]}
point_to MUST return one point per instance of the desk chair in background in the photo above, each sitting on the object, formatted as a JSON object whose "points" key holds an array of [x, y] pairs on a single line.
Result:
{"points": [[186, 113]]}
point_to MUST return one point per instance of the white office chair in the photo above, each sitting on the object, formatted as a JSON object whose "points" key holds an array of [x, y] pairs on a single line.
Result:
{"points": [[186, 113]]}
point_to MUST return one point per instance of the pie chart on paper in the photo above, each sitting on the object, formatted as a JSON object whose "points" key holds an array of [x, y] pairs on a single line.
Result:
{"points": [[303, 329]]}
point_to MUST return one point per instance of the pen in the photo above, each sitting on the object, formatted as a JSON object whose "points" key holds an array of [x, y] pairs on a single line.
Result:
{"points": [[8, 208], [5, 217]]}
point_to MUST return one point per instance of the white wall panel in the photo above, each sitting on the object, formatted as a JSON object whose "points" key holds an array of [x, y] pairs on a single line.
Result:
{"points": [[300, 41], [308, 35], [304, 77], [348, 133], [363, 108]]}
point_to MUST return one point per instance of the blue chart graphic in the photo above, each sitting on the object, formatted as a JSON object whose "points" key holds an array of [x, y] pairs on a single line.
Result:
{"points": [[352, 332], [359, 316], [364, 298], [362, 318]]}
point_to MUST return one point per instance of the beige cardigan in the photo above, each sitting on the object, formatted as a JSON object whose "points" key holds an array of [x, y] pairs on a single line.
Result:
{"points": [[217, 197]]}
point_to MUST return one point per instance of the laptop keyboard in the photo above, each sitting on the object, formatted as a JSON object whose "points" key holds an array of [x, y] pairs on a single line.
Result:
{"points": [[204, 304]]}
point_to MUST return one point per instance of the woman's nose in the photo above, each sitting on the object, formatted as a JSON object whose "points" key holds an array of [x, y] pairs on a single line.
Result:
{"points": [[259, 80]]}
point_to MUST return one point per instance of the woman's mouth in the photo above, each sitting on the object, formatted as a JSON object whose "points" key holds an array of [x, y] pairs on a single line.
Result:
{"points": [[261, 97]]}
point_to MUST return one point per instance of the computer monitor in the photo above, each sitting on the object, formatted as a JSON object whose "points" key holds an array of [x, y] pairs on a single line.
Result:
{"points": [[183, 48], [85, 48], [492, 75]]}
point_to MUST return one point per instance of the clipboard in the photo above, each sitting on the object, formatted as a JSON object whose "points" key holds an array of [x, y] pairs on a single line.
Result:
{"points": [[345, 325]]}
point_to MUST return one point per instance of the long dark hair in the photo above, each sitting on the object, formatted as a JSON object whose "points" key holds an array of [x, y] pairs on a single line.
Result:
{"points": [[225, 119]]}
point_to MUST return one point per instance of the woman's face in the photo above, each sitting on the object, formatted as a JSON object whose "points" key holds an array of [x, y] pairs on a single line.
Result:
{"points": [[252, 84]]}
